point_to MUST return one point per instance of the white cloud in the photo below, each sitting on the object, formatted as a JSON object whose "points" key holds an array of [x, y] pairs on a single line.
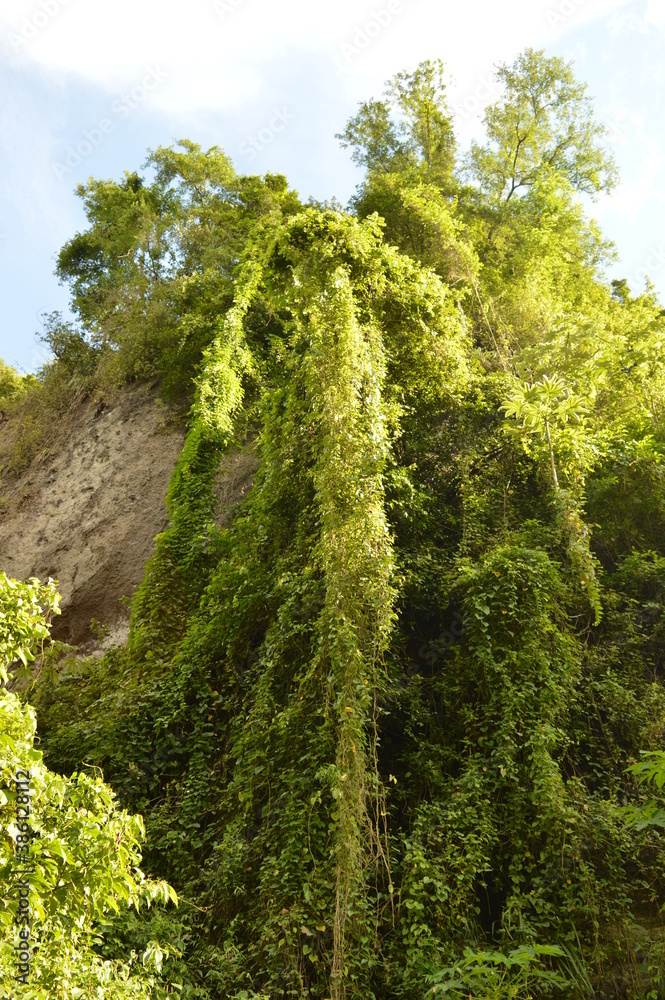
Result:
{"points": [[655, 13], [218, 57]]}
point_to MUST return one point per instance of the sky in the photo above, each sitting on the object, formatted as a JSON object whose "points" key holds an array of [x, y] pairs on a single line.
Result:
{"points": [[88, 86]]}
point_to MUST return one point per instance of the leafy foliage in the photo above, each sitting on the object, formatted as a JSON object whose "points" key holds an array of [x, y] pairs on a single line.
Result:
{"points": [[459, 424], [12, 385], [544, 124], [485, 973], [651, 769], [64, 845], [24, 612]]}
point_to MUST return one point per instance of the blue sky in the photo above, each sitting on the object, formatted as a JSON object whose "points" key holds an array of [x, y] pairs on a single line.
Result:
{"points": [[87, 86]]}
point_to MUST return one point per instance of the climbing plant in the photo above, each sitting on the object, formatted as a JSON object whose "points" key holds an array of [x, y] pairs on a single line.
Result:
{"points": [[386, 724]]}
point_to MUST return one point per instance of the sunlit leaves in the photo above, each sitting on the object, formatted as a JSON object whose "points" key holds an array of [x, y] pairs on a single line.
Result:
{"points": [[543, 125], [648, 771], [25, 609], [83, 852]]}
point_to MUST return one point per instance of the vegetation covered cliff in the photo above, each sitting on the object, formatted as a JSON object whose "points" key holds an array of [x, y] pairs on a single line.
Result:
{"points": [[386, 723]]}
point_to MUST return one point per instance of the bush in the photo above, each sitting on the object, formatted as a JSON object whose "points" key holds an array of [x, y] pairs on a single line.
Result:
{"points": [[68, 855], [38, 406]]}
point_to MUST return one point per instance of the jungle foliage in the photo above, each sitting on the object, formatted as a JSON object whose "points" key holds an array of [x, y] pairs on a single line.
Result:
{"points": [[68, 855], [397, 732]]}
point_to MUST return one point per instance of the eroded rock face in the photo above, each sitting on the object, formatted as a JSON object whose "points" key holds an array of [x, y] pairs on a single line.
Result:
{"points": [[88, 514]]}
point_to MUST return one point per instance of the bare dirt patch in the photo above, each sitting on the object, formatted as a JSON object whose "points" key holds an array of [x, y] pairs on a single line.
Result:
{"points": [[88, 513]]}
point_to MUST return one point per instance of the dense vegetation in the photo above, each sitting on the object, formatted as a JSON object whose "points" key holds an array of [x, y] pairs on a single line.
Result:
{"points": [[397, 731], [68, 855]]}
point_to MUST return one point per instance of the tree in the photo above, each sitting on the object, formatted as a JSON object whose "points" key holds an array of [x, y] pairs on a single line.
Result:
{"points": [[549, 408], [68, 855], [373, 138], [411, 129], [153, 272], [517, 262], [543, 126], [12, 385]]}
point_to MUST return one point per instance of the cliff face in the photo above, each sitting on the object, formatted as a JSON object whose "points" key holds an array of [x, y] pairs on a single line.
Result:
{"points": [[88, 513]]}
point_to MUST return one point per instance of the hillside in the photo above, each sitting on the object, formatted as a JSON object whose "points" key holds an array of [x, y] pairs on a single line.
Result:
{"points": [[392, 699], [87, 514]]}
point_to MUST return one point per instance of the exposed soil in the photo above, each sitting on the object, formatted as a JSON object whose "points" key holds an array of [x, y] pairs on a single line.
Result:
{"points": [[87, 515]]}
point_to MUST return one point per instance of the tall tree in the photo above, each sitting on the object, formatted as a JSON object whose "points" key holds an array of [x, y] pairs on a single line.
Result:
{"points": [[543, 125], [410, 129]]}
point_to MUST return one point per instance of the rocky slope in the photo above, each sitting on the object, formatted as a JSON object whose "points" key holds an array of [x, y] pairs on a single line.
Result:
{"points": [[87, 515]]}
